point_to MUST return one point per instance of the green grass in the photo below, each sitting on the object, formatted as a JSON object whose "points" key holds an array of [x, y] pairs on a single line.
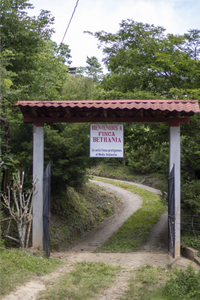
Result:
{"points": [[115, 171], [163, 283], [135, 230], [146, 282], [123, 172], [17, 267], [84, 282]]}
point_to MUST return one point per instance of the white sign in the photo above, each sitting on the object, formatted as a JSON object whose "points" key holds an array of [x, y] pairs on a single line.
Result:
{"points": [[107, 140]]}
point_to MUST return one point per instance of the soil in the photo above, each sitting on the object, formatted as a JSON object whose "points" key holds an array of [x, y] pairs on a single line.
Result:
{"points": [[154, 252]]}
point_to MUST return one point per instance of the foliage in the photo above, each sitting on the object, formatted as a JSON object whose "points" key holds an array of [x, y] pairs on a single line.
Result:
{"points": [[32, 67], [190, 220], [70, 159], [78, 87], [147, 143], [84, 282], [190, 196], [186, 285], [142, 57], [24, 36], [116, 170], [191, 241], [49, 75], [93, 68], [162, 283], [134, 231]]}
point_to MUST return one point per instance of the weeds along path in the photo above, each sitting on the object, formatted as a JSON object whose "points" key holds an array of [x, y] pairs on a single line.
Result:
{"points": [[154, 252]]}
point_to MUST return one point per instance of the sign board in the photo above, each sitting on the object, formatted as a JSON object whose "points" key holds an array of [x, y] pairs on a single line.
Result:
{"points": [[107, 140]]}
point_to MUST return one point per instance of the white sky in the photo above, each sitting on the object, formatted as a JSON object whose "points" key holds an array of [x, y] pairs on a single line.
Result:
{"points": [[177, 16]]}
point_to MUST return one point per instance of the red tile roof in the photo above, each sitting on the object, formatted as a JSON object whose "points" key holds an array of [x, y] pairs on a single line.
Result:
{"points": [[162, 105], [65, 111]]}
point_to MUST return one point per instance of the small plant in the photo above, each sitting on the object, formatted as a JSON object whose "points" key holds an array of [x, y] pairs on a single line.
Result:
{"points": [[186, 285], [22, 214], [190, 241], [163, 283]]}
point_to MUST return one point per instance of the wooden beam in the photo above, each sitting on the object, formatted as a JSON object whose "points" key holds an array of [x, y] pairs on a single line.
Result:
{"points": [[109, 119], [105, 113]]}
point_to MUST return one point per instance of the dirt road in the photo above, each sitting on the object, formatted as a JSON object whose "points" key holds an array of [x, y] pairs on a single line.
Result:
{"points": [[154, 251]]}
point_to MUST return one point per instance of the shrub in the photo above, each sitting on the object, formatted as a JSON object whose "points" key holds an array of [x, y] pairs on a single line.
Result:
{"points": [[185, 286]]}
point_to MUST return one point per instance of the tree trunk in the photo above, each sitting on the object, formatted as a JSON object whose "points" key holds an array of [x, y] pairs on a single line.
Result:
{"points": [[22, 234]]}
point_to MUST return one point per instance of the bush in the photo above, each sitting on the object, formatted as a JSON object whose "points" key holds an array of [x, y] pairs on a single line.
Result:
{"points": [[145, 160], [190, 197], [185, 286]]}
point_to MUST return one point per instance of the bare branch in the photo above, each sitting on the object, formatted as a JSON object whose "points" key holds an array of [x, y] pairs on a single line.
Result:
{"points": [[22, 214]]}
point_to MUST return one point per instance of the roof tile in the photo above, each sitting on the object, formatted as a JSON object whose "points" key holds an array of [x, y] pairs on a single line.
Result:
{"points": [[162, 105]]}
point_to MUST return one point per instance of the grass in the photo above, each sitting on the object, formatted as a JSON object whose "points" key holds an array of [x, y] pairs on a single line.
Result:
{"points": [[163, 283], [115, 171], [17, 267], [123, 172], [84, 282], [146, 283], [135, 230]]}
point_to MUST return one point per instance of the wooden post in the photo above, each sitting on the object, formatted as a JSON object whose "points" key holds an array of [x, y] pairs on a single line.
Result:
{"points": [[174, 158], [38, 169]]}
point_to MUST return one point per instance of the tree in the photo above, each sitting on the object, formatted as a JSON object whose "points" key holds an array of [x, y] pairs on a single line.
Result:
{"points": [[70, 159], [6, 83], [142, 57], [79, 87], [94, 69], [32, 67], [39, 64]]}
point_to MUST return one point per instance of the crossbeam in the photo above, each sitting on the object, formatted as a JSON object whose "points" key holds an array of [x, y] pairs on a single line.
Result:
{"points": [[104, 120]]}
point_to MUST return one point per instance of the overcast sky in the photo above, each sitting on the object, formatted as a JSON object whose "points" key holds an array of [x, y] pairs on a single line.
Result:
{"points": [[177, 16]]}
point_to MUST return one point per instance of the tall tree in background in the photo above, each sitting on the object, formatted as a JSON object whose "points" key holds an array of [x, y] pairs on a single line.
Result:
{"points": [[35, 68], [141, 57], [32, 67], [93, 69]]}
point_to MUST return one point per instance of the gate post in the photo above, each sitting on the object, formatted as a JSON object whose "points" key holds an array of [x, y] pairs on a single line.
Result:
{"points": [[38, 169], [175, 158]]}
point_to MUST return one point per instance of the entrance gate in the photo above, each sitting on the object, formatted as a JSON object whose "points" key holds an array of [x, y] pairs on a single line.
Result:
{"points": [[46, 209], [171, 212], [173, 112]]}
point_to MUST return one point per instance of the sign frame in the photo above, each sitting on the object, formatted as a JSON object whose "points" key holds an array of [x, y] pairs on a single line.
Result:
{"points": [[106, 141]]}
